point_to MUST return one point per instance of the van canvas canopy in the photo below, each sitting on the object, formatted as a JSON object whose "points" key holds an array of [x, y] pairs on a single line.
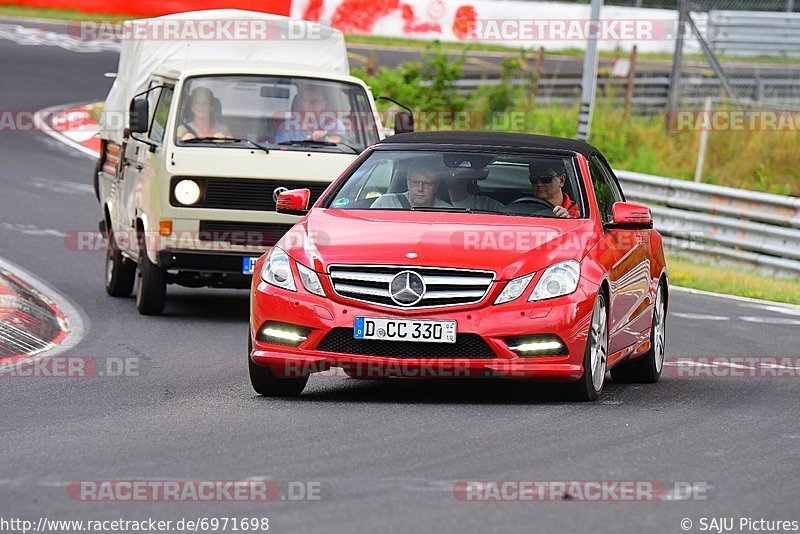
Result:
{"points": [[226, 34]]}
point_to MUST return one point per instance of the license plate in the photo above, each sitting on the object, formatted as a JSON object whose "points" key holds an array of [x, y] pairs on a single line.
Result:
{"points": [[248, 265], [404, 330]]}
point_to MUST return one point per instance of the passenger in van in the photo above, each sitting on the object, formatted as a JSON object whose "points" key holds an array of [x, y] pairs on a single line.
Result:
{"points": [[422, 184], [311, 119], [547, 182], [460, 196], [204, 117]]}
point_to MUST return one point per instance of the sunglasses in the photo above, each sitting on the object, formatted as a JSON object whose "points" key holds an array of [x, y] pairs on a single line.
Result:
{"points": [[543, 178]]}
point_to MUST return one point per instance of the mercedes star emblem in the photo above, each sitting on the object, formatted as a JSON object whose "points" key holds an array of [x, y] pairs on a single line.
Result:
{"points": [[407, 288]]}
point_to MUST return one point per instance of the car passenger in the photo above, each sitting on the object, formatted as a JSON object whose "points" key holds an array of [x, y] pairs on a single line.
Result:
{"points": [[422, 184], [203, 123], [547, 182], [460, 197]]}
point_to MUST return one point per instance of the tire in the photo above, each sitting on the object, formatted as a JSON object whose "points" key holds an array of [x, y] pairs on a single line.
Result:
{"points": [[268, 384], [151, 291], [96, 179], [647, 369], [120, 271], [590, 385]]}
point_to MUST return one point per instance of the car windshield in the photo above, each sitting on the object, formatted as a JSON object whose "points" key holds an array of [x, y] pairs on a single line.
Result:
{"points": [[286, 113], [505, 184]]}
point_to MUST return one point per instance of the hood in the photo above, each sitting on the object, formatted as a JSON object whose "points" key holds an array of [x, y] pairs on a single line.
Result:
{"points": [[510, 246]]}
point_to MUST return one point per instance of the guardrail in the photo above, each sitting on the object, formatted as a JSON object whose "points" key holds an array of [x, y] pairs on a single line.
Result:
{"points": [[754, 33], [650, 91], [748, 227]]}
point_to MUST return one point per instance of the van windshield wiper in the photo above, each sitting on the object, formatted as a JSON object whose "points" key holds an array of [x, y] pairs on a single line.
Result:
{"points": [[225, 140], [312, 142]]}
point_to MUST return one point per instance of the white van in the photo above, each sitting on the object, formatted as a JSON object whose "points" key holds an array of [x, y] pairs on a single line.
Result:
{"points": [[199, 139]]}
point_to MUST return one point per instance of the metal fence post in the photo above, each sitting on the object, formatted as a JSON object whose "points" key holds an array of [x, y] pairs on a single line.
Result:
{"points": [[589, 81], [673, 97]]}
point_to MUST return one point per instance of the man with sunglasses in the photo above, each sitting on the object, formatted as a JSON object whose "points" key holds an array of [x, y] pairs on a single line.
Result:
{"points": [[548, 182]]}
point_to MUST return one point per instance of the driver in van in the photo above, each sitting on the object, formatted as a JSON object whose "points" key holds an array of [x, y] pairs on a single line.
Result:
{"points": [[547, 182], [310, 121], [203, 123]]}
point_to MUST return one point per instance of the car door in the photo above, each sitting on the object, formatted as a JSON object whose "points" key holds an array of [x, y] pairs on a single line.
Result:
{"points": [[629, 271], [142, 153]]}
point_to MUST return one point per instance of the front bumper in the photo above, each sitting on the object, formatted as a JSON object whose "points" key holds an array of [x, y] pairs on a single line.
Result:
{"points": [[568, 317]]}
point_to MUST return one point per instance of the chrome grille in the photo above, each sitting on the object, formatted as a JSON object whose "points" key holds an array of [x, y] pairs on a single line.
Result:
{"points": [[443, 286]]}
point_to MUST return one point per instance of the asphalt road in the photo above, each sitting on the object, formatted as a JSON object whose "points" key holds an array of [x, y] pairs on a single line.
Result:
{"points": [[387, 454]]}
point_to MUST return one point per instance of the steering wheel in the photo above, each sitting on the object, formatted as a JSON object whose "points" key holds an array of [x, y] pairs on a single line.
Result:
{"points": [[534, 202]]}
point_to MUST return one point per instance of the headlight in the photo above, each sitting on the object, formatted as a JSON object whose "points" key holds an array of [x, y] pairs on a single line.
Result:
{"points": [[558, 280], [277, 270], [187, 192], [310, 280], [514, 288]]}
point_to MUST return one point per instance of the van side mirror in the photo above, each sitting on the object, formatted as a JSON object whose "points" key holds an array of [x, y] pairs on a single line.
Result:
{"points": [[403, 122], [138, 115], [630, 216], [293, 202]]}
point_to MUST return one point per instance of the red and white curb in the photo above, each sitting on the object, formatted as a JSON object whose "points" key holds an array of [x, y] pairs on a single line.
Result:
{"points": [[72, 125], [35, 320]]}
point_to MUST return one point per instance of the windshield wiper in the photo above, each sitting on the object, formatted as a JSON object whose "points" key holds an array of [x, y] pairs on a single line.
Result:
{"points": [[442, 208], [223, 140], [312, 142]]}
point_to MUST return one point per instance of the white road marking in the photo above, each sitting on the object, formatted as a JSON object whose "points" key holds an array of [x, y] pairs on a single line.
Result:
{"points": [[771, 320], [36, 37], [60, 186], [700, 316], [74, 319], [29, 229], [58, 136], [733, 297], [773, 308]]}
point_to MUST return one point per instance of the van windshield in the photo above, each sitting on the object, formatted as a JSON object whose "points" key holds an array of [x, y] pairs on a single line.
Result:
{"points": [[288, 113]]}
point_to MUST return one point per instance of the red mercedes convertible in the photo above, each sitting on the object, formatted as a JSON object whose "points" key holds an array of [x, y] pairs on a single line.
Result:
{"points": [[463, 254]]}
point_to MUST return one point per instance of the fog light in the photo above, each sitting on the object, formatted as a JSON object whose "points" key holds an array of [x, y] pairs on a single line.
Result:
{"points": [[282, 333], [537, 345]]}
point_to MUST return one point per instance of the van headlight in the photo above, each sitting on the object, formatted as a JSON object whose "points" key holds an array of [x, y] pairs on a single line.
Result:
{"points": [[558, 280], [187, 192], [277, 270]]}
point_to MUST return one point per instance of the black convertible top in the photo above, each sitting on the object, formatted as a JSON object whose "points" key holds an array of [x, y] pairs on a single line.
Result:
{"points": [[494, 139]]}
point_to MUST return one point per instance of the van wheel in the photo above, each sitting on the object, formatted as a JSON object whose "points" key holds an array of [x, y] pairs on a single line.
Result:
{"points": [[268, 384], [120, 271], [151, 290]]}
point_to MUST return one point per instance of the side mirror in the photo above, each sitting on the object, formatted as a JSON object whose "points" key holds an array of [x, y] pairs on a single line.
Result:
{"points": [[293, 202], [630, 216], [403, 122], [138, 115]]}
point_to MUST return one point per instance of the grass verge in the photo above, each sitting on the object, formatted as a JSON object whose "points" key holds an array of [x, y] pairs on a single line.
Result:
{"points": [[731, 280]]}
